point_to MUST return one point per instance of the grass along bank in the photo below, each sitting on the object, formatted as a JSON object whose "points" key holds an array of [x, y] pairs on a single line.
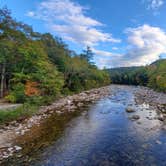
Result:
{"points": [[20, 113]]}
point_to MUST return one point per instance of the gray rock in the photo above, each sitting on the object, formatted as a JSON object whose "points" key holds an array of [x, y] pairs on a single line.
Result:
{"points": [[135, 117], [80, 104], [163, 111], [158, 142], [59, 112], [10, 149], [17, 148], [145, 146], [149, 118], [164, 127], [161, 118], [130, 109]]}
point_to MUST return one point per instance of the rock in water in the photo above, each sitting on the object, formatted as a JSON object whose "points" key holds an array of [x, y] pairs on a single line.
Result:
{"points": [[135, 117], [130, 109], [158, 142], [161, 118]]}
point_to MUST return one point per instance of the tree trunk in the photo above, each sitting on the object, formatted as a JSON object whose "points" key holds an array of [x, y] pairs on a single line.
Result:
{"points": [[2, 81]]}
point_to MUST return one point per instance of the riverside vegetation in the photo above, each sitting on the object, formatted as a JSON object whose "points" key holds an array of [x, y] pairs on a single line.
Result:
{"points": [[153, 76], [36, 68]]}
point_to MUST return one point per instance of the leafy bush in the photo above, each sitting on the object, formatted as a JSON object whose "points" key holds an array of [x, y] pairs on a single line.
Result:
{"points": [[17, 94]]}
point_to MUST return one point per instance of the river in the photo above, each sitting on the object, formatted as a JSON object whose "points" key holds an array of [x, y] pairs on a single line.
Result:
{"points": [[100, 134]]}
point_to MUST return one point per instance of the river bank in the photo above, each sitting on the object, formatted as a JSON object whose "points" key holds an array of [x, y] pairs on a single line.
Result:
{"points": [[155, 99], [14, 129]]}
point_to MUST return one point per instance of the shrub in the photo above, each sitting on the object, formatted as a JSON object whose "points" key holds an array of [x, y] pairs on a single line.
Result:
{"points": [[17, 94]]}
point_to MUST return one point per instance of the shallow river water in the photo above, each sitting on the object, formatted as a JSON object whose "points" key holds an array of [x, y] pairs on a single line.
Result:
{"points": [[102, 134]]}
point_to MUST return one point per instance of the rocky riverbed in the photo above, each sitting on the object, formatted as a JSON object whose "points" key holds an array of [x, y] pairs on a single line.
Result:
{"points": [[144, 99], [157, 100]]}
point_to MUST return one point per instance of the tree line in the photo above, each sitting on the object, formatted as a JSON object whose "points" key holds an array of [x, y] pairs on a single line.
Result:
{"points": [[153, 76], [39, 67]]}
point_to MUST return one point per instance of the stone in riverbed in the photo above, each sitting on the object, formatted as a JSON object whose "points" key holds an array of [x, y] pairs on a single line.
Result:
{"points": [[149, 118], [164, 128], [59, 112], [145, 146], [161, 118], [158, 142], [17, 148], [69, 102], [139, 122], [80, 104], [163, 111], [135, 117], [130, 109], [10, 149]]}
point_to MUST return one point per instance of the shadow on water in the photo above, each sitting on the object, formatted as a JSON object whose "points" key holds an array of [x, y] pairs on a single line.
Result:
{"points": [[103, 134]]}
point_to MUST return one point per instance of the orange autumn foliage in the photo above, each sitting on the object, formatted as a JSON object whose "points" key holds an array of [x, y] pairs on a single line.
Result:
{"points": [[31, 89]]}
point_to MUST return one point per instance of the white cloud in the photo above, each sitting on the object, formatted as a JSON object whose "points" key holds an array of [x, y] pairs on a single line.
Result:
{"points": [[83, 35], [102, 53], [106, 58], [30, 14], [68, 20], [115, 48], [145, 45], [153, 4], [109, 60]]}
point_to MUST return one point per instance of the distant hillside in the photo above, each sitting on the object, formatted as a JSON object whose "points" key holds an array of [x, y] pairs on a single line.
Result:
{"points": [[123, 69], [158, 62], [128, 75], [153, 75]]}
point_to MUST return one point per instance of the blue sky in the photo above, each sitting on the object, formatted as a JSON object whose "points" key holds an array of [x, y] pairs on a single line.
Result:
{"points": [[120, 32]]}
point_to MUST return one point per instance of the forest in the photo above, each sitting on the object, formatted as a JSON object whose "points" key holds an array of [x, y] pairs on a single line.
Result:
{"points": [[153, 75], [38, 68]]}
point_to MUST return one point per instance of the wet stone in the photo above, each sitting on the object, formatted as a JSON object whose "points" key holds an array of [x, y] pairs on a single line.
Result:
{"points": [[161, 118], [130, 110], [158, 142], [135, 117]]}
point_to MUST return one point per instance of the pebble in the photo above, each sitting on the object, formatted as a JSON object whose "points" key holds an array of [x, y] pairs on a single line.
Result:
{"points": [[130, 110], [158, 142], [10, 149], [161, 118], [17, 148], [135, 117]]}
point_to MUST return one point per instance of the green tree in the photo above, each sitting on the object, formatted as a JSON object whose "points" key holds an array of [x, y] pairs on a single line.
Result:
{"points": [[87, 55]]}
